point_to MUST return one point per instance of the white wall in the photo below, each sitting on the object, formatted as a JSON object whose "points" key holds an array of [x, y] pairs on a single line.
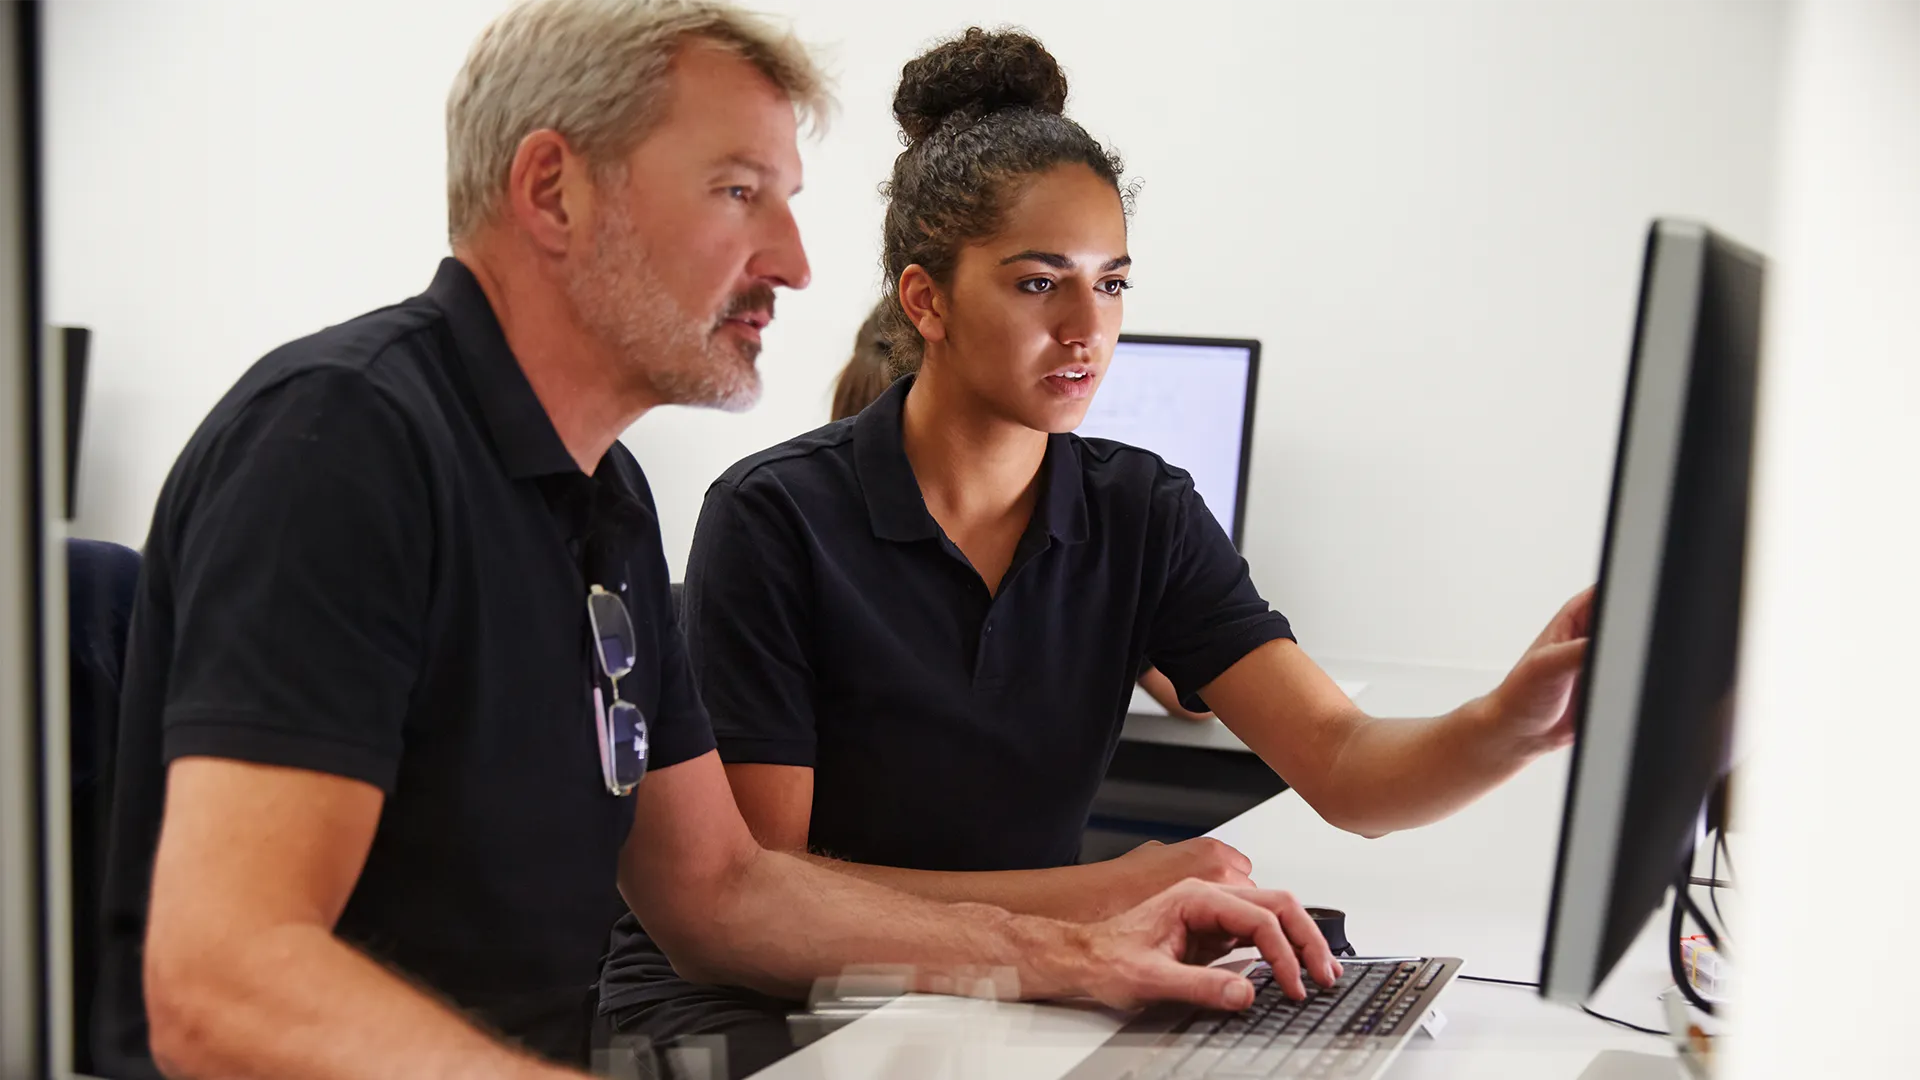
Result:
{"points": [[1430, 213], [1827, 698]]}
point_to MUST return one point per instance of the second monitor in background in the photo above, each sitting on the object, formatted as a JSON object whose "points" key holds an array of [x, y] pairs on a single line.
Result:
{"points": [[1190, 400]]}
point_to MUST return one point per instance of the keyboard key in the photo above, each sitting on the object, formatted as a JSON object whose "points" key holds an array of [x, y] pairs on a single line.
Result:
{"points": [[1355, 1063], [1202, 1062], [1303, 1063], [1239, 1060], [1272, 1056]]}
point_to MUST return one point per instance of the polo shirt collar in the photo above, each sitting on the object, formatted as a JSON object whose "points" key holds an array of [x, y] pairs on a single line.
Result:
{"points": [[523, 435], [1063, 496], [897, 510]]}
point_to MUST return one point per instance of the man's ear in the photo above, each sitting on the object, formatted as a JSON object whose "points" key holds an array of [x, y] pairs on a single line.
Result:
{"points": [[548, 187], [923, 302]]}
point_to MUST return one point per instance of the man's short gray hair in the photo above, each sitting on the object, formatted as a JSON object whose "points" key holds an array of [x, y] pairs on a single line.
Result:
{"points": [[596, 72]]}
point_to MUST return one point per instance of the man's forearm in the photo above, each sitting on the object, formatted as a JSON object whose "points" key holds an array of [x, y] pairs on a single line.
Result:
{"points": [[1083, 893], [295, 1002], [1401, 774], [749, 939]]}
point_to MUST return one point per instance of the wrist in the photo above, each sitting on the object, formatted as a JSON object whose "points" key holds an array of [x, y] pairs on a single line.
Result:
{"points": [[1053, 957], [1108, 888], [1501, 746]]}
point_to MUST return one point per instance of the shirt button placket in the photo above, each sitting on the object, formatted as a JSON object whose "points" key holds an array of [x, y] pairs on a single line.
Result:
{"points": [[986, 669]]}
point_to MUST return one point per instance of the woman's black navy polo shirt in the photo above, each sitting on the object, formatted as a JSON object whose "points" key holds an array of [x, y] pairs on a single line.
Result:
{"points": [[833, 625]]}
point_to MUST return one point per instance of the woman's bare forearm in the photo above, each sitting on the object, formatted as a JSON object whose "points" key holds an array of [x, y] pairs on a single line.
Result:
{"points": [[1401, 774]]}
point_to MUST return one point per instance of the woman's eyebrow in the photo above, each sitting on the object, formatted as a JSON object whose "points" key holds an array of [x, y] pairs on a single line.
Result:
{"points": [[1057, 261], [1061, 262]]}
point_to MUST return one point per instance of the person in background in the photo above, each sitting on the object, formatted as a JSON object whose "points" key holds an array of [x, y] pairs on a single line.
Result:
{"points": [[867, 374], [945, 599], [405, 713], [868, 371]]}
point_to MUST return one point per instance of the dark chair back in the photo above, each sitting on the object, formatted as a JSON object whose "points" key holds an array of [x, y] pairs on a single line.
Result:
{"points": [[102, 579]]}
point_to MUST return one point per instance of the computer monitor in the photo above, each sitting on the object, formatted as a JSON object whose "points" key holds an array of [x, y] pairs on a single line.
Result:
{"points": [[1654, 718], [35, 1033], [1190, 400]]}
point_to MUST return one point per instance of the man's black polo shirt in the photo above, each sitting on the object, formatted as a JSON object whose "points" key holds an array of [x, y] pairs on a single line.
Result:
{"points": [[833, 625], [372, 561]]}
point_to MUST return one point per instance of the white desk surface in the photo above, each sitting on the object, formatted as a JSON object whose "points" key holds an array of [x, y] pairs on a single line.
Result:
{"points": [[1474, 886]]}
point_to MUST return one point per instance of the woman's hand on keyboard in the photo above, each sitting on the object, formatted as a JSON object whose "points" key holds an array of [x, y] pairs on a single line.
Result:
{"points": [[1151, 868]]}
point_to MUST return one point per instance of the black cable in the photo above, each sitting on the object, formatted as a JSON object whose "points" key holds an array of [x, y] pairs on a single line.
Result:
{"points": [[1726, 856], [1500, 982], [1675, 962], [1632, 1027], [1706, 925], [1713, 873], [1583, 1008]]}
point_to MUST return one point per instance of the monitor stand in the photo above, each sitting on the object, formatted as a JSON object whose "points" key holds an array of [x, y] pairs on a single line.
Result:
{"points": [[1632, 1065]]}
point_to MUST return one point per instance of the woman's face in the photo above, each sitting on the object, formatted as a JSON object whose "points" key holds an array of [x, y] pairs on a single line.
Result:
{"points": [[1033, 312]]}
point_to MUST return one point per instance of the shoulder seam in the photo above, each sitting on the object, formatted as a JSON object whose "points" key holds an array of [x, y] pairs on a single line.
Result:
{"points": [[743, 470]]}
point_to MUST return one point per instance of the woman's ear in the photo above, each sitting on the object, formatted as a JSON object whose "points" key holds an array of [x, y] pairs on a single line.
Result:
{"points": [[922, 300]]}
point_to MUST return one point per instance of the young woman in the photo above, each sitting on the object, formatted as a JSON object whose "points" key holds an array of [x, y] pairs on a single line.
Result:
{"points": [[917, 629]]}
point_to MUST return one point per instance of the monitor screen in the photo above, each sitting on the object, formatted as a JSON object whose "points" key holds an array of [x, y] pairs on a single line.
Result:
{"points": [[1190, 400]]}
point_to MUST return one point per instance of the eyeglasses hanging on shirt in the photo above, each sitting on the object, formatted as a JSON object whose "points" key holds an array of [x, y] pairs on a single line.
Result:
{"points": [[622, 729]]}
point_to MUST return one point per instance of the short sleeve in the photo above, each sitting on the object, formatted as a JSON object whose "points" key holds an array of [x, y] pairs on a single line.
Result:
{"points": [[680, 730], [749, 628], [1210, 615], [300, 573]]}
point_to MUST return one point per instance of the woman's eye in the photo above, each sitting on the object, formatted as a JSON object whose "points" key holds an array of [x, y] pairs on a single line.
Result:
{"points": [[1115, 286], [1036, 285]]}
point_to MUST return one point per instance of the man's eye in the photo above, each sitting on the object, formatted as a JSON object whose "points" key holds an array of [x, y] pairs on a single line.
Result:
{"points": [[739, 191]]}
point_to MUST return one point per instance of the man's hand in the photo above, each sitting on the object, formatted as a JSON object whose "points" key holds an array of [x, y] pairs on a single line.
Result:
{"points": [[1534, 704], [1152, 867], [1159, 949]]}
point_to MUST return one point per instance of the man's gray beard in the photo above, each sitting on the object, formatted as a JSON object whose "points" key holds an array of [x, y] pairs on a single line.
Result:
{"points": [[677, 355]]}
